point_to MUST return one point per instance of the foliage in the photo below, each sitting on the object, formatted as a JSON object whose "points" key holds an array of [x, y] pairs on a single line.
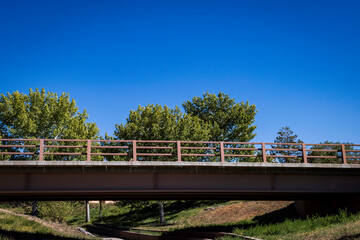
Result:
{"points": [[56, 211], [286, 135], [155, 122], [41, 114], [230, 121], [334, 150]]}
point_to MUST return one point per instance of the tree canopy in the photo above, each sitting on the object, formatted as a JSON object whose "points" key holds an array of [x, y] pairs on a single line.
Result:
{"points": [[155, 122], [41, 114], [286, 135], [229, 120]]}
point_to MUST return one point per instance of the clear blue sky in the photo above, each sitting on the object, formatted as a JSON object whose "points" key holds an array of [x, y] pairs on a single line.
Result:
{"points": [[297, 61]]}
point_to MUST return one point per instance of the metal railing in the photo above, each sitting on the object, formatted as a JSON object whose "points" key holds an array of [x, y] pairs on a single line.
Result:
{"points": [[144, 150]]}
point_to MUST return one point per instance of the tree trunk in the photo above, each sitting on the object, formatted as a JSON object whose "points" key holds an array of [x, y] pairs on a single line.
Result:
{"points": [[100, 211], [161, 212], [35, 211]]}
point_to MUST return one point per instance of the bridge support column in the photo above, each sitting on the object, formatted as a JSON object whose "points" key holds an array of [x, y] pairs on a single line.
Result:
{"points": [[87, 211], [327, 206]]}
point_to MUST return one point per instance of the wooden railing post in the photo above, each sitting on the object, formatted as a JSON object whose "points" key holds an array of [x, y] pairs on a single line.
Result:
{"points": [[41, 150], [178, 150], [88, 150], [263, 152], [222, 152], [134, 150], [304, 155], [343, 153]]}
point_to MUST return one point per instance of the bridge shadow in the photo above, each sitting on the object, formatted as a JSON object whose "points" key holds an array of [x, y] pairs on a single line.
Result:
{"points": [[278, 216], [14, 235], [350, 237], [136, 216]]}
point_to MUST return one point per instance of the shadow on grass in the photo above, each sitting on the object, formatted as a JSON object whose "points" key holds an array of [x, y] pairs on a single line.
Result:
{"points": [[136, 217], [277, 216], [350, 237], [31, 236]]}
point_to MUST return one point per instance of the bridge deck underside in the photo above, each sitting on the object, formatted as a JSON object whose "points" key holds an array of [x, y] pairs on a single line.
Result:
{"points": [[179, 182]]}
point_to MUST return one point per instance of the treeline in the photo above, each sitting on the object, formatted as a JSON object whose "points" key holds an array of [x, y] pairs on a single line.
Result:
{"points": [[46, 115]]}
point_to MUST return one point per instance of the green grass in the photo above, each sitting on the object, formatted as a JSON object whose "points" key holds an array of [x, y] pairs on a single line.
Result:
{"points": [[289, 228], [147, 217], [16, 227]]}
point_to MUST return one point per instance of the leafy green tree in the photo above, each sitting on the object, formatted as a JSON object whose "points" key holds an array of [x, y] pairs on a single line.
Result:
{"points": [[155, 122], [286, 135], [41, 114], [332, 151], [229, 120]]}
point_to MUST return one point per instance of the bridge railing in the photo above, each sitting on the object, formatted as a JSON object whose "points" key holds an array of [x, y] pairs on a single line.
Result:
{"points": [[156, 150]]}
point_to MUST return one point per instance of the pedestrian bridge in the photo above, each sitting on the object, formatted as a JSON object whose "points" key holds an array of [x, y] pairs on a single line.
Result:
{"points": [[49, 169]]}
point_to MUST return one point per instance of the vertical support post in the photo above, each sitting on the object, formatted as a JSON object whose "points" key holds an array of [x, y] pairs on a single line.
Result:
{"points": [[263, 152], [100, 211], [88, 150], [87, 211], [304, 155], [343, 153], [41, 150], [134, 150], [222, 152], [178, 150]]}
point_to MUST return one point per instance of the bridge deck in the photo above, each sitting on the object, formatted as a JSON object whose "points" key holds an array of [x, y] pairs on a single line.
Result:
{"points": [[27, 180]]}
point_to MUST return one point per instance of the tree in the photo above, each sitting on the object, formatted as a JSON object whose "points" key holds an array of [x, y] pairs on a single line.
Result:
{"points": [[230, 121], [43, 114], [286, 135], [155, 122], [46, 115], [334, 150]]}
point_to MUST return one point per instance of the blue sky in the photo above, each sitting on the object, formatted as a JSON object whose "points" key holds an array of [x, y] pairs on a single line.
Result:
{"points": [[297, 61]]}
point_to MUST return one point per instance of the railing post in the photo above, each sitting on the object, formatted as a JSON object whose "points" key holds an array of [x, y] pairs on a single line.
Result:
{"points": [[222, 152], [343, 153], [41, 150], [304, 155], [263, 152], [134, 150], [178, 150], [88, 150]]}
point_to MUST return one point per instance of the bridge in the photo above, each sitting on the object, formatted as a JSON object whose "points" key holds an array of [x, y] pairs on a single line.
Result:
{"points": [[68, 169]]}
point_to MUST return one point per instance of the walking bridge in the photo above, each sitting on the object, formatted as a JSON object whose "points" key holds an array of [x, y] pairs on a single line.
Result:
{"points": [[67, 169]]}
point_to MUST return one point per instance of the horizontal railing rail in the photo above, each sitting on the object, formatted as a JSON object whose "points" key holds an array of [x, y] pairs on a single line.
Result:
{"points": [[144, 150]]}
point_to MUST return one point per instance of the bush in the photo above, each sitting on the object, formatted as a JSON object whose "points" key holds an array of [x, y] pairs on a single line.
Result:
{"points": [[56, 211]]}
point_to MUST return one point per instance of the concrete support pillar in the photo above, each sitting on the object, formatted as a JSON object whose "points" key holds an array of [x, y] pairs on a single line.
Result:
{"points": [[87, 211]]}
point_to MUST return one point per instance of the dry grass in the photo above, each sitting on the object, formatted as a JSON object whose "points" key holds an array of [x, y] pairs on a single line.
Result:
{"points": [[236, 211]]}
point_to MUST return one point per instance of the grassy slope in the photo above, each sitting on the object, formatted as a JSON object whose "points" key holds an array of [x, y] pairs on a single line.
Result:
{"points": [[339, 226], [266, 220], [18, 227]]}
